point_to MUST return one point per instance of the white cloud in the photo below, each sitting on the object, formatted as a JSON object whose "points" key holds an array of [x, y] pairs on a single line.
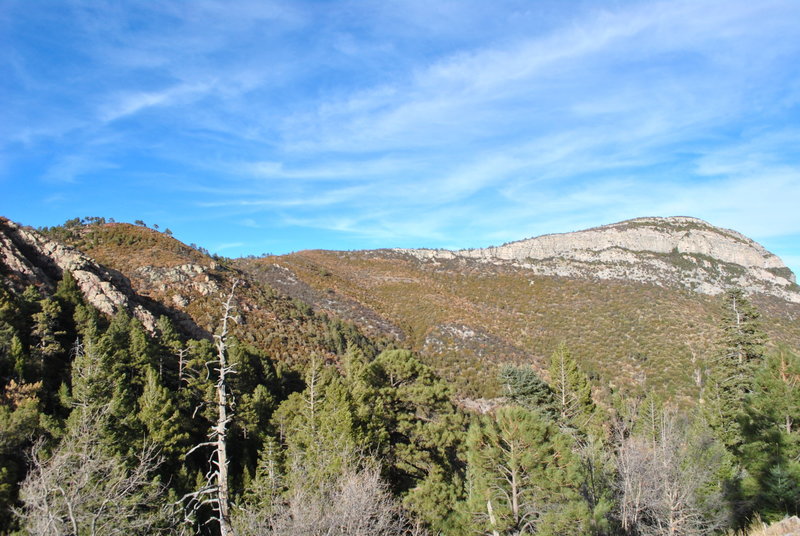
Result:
{"points": [[130, 103], [567, 75], [228, 245], [69, 168]]}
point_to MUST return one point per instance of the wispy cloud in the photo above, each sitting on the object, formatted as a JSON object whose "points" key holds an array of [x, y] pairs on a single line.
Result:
{"points": [[131, 103], [228, 245], [408, 122], [71, 167]]}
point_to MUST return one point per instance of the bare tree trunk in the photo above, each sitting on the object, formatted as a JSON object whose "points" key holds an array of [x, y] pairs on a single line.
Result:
{"points": [[492, 518], [216, 491], [181, 364], [223, 419]]}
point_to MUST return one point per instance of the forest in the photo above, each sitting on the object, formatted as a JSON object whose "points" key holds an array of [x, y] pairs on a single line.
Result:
{"points": [[108, 429]]}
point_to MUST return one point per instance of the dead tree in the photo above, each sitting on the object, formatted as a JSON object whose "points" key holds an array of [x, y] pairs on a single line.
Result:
{"points": [[216, 491], [668, 483], [81, 488]]}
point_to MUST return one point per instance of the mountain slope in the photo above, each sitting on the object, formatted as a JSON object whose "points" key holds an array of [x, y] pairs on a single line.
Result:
{"points": [[634, 301], [122, 267]]}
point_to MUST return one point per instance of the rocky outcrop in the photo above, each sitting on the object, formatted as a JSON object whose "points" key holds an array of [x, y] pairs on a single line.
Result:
{"points": [[27, 257], [194, 278], [462, 339], [678, 251]]}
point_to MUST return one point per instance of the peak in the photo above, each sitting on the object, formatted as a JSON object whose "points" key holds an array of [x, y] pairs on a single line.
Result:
{"points": [[668, 224], [680, 251]]}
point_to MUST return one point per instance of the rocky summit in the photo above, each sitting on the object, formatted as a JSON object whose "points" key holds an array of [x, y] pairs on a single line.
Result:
{"points": [[676, 251]]}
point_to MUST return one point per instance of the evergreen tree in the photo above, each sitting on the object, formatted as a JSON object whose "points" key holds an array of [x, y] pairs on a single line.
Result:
{"points": [[263, 495], [572, 390], [318, 428], [414, 428], [771, 450], [255, 411], [744, 337], [20, 421], [68, 293], [733, 371], [84, 490], [161, 418], [598, 475], [48, 340], [92, 378], [522, 477], [7, 336], [524, 387]]}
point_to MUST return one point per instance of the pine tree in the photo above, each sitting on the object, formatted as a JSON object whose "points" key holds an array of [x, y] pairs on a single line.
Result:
{"points": [[414, 428], [771, 449], [744, 337], [522, 477], [523, 386], [161, 418], [92, 381], [318, 428], [47, 334], [20, 421], [81, 488], [742, 351], [572, 390]]}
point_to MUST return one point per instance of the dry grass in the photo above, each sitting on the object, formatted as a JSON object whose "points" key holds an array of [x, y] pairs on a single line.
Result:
{"points": [[789, 526], [277, 325]]}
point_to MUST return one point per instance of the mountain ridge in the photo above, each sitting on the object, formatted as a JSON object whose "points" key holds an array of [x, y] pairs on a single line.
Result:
{"points": [[680, 250], [465, 315]]}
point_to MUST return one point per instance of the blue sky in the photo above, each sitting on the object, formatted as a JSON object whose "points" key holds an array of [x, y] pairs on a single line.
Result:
{"points": [[250, 127]]}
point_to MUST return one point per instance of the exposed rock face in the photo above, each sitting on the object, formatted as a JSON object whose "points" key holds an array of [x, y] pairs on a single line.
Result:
{"points": [[464, 339], [193, 277], [677, 251], [26, 257]]}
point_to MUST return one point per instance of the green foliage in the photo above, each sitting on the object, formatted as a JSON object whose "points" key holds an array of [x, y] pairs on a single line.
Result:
{"points": [[81, 488], [318, 428], [572, 392], [20, 422], [523, 386], [771, 449], [522, 476], [47, 334], [598, 481], [732, 373], [161, 419], [413, 426], [744, 337]]}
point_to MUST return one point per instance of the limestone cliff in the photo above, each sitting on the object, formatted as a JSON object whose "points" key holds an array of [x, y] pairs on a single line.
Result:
{"points": [[677, 251]]}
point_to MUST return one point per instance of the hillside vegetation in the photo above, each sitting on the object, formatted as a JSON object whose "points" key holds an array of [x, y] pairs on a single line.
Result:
{"points": [[246, 409], [467, 318]]}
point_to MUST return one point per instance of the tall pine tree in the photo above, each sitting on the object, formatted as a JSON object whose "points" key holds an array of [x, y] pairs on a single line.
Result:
{"points": [[732, 372]]}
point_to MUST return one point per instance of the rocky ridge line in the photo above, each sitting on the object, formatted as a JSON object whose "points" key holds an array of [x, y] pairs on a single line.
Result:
{"points": [[27, 258], [677, 251]]}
